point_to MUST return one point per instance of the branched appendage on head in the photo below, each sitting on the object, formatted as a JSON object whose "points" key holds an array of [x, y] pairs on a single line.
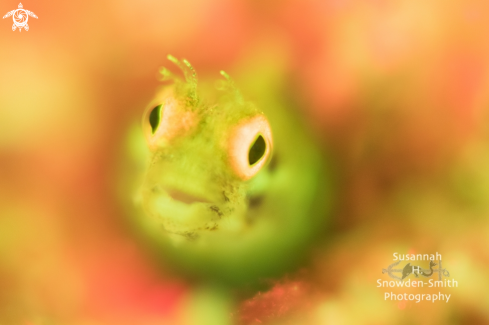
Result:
{"points": [[187, 87], [204, 157]]}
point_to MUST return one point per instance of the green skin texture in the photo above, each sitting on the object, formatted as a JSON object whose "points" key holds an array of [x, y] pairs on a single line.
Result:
{"points": [[241, 243]]}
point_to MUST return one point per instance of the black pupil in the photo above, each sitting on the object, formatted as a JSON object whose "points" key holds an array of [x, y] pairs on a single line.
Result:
{"points": [[257, 150], [154, 118]]}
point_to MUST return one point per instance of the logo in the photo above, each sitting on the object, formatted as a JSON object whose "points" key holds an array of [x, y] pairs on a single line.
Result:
{"points": [[409, 269], [401, 275], [20, 17]]}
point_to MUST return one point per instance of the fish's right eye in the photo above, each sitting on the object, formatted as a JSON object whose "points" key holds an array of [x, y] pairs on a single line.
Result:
{"points": [[155, 118], [153, 122], [164, 120]]}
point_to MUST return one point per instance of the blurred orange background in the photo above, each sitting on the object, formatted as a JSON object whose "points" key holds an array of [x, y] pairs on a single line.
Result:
{"points": [[397, 90]]}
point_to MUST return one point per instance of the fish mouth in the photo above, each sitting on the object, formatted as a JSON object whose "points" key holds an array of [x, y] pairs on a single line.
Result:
{"points": [[182, 213], [185, 197]]}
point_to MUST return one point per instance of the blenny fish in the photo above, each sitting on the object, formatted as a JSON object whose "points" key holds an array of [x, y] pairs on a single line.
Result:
{"points": [[231, 189]]}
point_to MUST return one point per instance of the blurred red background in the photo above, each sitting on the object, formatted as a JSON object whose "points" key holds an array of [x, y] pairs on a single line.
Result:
{"points": [[396, 90]]}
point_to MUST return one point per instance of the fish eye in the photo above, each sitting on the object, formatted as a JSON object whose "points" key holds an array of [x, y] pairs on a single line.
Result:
{"points": [[257, 150], [155, 118], [250, 146], [164, 120], [153, 123]]}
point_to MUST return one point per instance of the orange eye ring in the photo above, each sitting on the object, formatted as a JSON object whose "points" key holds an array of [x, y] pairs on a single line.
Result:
{"points": [[243, 142], [165, 120]]}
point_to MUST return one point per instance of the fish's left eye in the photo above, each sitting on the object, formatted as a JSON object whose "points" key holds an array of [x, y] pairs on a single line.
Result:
{"points": [[250, 146], [257, 150]]}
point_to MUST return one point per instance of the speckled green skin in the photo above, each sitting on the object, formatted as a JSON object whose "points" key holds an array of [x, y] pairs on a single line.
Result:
{"points": [[251, 229]]}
